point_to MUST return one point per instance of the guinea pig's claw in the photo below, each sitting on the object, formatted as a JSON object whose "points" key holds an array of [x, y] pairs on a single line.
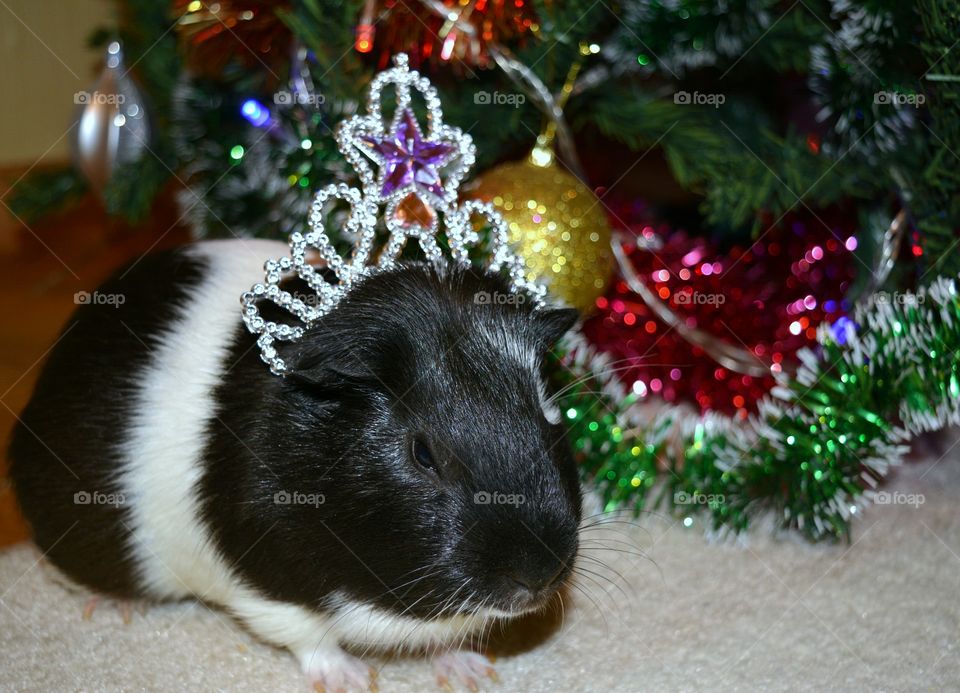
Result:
{"points": [[125, 608], [90, 607], [335, 671], [465, 667]]}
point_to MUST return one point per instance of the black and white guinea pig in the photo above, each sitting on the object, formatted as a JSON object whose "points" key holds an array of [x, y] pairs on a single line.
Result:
{"points": [[406, 483]]}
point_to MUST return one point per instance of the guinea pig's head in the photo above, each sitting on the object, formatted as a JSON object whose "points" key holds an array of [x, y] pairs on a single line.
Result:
{"points": [[449, 484]]}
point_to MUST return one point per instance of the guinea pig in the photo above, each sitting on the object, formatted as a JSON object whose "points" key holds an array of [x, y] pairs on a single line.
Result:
{"points": [[405, 484]]}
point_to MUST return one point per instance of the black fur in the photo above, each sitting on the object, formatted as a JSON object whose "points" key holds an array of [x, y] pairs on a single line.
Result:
{"points": [[68, 437], [409, 353]]}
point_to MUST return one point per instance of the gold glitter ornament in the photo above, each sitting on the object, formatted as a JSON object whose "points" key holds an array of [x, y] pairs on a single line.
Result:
{"points": [[556, 224]]}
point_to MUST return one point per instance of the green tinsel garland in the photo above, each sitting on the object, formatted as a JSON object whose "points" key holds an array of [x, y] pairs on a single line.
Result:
{"points": [[816, 448]]}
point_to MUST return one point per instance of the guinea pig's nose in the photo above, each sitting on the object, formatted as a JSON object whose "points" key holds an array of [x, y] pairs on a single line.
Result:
{"points": [[536, 581]]}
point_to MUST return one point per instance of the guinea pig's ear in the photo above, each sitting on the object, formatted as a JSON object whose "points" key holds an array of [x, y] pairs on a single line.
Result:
{"points": [[552, 323], [326, 363]]}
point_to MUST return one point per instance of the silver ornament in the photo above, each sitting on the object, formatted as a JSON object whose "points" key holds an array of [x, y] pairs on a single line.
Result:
{"points": [[111, 123]]}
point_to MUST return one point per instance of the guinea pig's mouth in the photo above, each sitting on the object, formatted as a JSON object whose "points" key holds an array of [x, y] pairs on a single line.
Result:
{"points": [[515, 597], [522, 604]]}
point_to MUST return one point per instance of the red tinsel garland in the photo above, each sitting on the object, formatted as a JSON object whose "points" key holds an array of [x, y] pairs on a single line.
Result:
{"points": [[766, 299]]}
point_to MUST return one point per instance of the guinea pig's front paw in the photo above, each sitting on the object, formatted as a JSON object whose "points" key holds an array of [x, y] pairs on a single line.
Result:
{"points": [[331, 670], [463, 667]]}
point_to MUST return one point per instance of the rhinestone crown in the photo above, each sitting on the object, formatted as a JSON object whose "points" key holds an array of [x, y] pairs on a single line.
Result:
{"points": [[418, 178]]}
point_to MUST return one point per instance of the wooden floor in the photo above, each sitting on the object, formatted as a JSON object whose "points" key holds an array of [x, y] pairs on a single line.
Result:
{"points": [[42, 266]]}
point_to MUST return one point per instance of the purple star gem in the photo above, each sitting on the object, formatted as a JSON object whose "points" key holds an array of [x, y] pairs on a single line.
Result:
{"points": [[408, 158]]}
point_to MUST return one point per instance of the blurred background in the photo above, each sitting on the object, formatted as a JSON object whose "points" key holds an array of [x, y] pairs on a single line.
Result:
{"points": [[48, 56], [716, 186], [45, 261]]}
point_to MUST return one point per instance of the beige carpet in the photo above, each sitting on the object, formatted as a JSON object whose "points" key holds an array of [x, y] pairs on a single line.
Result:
{"points": [[882, 613]]}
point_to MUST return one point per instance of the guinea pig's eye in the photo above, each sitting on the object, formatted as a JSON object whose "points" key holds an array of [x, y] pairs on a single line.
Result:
{"points": [[422, 455]]}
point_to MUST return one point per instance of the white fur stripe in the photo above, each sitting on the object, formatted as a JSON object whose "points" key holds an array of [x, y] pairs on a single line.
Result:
{"points": [[171, 413]]}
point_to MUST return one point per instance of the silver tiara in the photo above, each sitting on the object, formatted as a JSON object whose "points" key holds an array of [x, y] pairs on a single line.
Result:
{"points": [[417, 178]]}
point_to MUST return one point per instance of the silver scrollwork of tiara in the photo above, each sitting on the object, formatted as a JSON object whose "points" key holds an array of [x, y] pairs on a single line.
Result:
{"points": [[416, 175]]}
